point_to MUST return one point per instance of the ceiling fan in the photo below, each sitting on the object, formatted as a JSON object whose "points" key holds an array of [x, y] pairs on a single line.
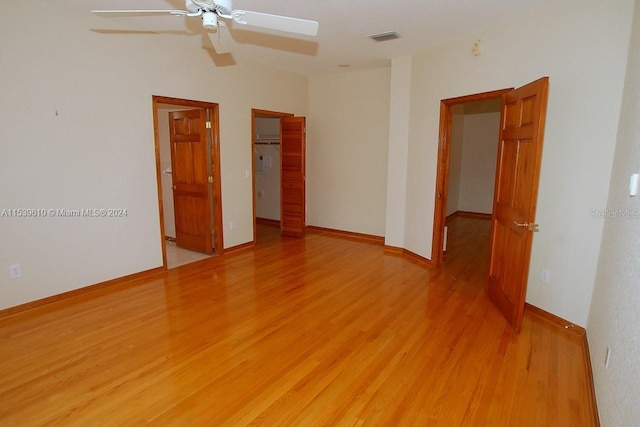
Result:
{"points": [[215, 12]]}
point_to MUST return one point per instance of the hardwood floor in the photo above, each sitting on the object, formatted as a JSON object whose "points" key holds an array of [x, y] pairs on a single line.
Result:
{"points": [[319, 331]]}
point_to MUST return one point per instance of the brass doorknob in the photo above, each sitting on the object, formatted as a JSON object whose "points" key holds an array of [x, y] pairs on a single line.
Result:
{"points": [[528, 225]]}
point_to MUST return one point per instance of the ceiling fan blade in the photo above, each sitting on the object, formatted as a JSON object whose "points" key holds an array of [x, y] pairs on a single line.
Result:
{"points": [[220, 39], [140, 12], [275, 22]]}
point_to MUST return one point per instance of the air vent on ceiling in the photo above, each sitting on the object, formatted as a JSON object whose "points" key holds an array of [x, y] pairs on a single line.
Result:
{"points": [[383, 37]]}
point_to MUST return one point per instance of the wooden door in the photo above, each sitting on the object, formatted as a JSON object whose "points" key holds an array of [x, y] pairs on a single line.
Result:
{"points": [[516, 189], [190, 175], [292, 177]]}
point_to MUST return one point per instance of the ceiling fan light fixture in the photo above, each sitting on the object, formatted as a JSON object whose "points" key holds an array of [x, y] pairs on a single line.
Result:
{"points": [[383, 37], [215, 13], [210, 21]]}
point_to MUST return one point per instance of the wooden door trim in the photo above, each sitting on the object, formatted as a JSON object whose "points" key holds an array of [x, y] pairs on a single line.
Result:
{"points": [[216, 191], [266, 113], [442, 177]]}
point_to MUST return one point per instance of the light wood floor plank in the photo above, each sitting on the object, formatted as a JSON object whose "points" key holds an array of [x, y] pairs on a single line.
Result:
{"points": [[319, 331]]}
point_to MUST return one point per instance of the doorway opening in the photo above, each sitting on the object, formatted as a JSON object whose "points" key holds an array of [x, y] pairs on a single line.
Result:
{"points": [[517, 172], [187, 148], [469, 133], [267, 181]]}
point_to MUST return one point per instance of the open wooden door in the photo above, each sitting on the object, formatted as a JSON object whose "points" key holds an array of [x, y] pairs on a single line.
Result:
{"points": [[190, 178], [516, 190], [292, 177]]}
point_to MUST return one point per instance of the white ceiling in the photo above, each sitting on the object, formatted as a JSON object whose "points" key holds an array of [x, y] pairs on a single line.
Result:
{"points": [[344, 27]]}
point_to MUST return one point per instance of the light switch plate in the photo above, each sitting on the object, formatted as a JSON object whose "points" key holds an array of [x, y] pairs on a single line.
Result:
{"points": [[633, 185]]}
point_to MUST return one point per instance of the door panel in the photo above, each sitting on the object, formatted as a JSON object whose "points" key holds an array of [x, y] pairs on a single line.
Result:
{"points": [[189, 165], [516, 191], [292, 178]]}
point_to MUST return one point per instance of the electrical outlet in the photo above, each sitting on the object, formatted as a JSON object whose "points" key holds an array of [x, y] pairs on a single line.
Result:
{"points": [[15, 271], [606, 357], [231, 225], [546, 275]]}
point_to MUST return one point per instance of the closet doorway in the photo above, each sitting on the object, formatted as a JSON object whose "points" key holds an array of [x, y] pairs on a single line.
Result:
{"points": [[519, 155], [469, 127], [266, 138]]}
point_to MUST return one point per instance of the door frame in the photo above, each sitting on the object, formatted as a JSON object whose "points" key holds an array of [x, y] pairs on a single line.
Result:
{"points": [[442, 177], [263, 113], [216, 188]]}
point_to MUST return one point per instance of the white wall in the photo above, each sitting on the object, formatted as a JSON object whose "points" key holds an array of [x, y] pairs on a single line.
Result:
{"points": [[267, 178], [472, 160], [267, 190], [347, 151], [78, 133], [455, 159], [614, 318], [582, 47], [478, 162], [398, 150]]}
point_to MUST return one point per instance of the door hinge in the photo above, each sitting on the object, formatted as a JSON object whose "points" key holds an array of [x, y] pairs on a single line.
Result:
{"points": [[210, 180], [208, 124]]}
